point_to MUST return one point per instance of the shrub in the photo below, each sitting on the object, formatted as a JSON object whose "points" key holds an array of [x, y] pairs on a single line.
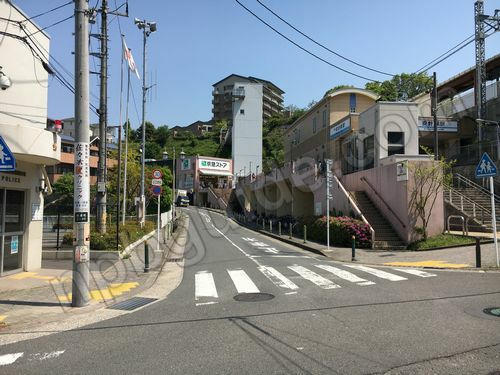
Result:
{"points": [[342, 228]]}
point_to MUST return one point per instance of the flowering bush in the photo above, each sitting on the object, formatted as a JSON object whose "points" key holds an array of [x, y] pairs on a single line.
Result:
{"points": [[342, 228]]}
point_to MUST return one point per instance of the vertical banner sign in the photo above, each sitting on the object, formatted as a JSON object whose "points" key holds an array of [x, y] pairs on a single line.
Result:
{"points": [[329, 184], [82, 195]]}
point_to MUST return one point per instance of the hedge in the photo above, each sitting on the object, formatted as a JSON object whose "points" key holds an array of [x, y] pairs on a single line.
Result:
{"points": [[129, 233]]}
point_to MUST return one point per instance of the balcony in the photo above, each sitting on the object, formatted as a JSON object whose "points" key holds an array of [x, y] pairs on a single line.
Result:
{"points": [[238, 93]]}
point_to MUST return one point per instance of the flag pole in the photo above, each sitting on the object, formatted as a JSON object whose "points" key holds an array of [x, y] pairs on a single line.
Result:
{"points": [[125, 162]]}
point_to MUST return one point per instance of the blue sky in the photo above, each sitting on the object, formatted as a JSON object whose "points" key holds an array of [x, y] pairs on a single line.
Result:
{"points": [[199, 42]]}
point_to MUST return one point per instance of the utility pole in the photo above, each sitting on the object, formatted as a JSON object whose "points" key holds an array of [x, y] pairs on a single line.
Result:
{"points": [[434, 102], [480, 20], [103, 122], [147, 29], [80, 283], [480, 84]]}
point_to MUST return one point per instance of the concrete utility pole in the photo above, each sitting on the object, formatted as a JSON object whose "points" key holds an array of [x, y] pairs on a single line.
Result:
{"points": [[480, 84], [103, 122], [147, 29], [80, 284]]}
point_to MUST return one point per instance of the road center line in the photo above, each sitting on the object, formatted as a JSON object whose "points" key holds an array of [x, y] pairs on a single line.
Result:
{"points": [[236, 246], [8, 359]]}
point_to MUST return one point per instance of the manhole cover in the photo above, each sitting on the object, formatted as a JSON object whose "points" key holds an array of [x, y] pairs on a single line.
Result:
{"points": [[253, 297], [495, 311]]}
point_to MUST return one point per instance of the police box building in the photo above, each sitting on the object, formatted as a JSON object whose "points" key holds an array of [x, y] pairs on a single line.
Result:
{"points": [[26, 146]]}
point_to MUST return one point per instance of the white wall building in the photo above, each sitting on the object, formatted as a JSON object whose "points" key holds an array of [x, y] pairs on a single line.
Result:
{"points": [[246, 131], [23, 117]]}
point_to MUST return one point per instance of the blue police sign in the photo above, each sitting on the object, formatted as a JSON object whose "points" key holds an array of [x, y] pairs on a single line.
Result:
{"points": [[486, 167], [7, 160]]}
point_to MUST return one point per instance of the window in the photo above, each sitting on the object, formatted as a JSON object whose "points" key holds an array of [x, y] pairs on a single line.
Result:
{"points": [[368, 152], [242, 111], [352, 103], [314, 125], [395, 143], [324, 118]]}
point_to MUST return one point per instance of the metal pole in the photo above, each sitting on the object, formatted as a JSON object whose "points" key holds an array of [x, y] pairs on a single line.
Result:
{"points": [[103, 122], [125, 162], [142, 207], [146, 257], [118, 187], [80, 283], [493, 218], [58, 229], [353, 248], [478, 252], [173, 187], [434, 115], [158, 226]]}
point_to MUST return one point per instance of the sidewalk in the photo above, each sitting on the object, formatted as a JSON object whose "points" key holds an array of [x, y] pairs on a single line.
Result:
{"points": [[29, 299], [463, 257]]}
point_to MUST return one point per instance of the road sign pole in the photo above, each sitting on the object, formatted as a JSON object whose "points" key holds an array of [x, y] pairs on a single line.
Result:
{"points": [[493, 218], [158, 226]]}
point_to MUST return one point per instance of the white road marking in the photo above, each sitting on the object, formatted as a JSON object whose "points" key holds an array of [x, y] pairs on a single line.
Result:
{"points": [[44, 356], [415, 272], [242, 282], [259, 244], [346, 275], [8, 359], [379, 273], [205, 303], [288, 293], [236, 246], [269, 250], [314, 277], [277, 278], [204, 285]]}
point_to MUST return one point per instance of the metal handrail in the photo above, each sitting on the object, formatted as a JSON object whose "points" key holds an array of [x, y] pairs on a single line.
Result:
{"points": [[219, 199], [355, 207], [467, 199], [474, 185], [383, 201]]}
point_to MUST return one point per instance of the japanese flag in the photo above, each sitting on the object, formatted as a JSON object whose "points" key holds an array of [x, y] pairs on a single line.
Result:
{"points": [[130, 59]]}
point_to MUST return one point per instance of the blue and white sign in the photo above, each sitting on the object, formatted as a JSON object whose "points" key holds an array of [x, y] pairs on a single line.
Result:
{"points": [[7, 160], [340, 129], [426, 124], [14, 245], [486, 167]]}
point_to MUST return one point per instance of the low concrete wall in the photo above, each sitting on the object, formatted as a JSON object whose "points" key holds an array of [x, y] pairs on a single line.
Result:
{"points": [[68, 255]]}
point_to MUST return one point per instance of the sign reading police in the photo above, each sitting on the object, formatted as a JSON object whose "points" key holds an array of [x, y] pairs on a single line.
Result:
{"points": [[7, 160]]}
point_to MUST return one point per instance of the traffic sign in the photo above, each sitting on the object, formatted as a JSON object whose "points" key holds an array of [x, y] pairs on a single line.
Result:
{"points": [[156, 182], [486, 167], [7, 159], [156, 190], [157, 174]]}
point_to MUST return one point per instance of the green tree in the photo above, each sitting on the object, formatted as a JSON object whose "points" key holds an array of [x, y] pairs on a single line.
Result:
{"points": [[429, 179], [162, 135], [401, 87], [153, 150], [63, 190]]}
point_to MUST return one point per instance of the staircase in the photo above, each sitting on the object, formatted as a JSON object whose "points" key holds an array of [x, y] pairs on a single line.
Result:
{"points": [[385, 236], [472, 201]]}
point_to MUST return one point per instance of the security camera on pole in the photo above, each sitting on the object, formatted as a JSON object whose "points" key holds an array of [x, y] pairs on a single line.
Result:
{"points": [[147, 28]]}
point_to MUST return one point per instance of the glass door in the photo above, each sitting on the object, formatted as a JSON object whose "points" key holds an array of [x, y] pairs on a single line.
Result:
{"points": [[12, 210]]}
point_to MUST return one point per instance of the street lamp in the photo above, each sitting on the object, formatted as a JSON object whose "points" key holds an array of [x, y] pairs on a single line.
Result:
{"points": [[147, 28]]}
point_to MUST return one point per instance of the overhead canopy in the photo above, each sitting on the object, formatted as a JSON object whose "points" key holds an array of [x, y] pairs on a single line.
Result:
{"points": [[215, 173]]}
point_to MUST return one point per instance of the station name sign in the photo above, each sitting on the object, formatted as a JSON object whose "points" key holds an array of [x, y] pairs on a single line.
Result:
{"points": [[220, 165], [340, 129], [427, 125]]}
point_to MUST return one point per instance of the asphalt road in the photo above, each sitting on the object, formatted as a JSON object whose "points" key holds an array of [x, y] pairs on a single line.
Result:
{"points": [[324, 317]]}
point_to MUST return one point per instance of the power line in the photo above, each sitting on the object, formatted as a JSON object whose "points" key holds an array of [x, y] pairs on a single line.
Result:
{"points": [[49, 11], [302, 48], [321, 45], [54, 24]]}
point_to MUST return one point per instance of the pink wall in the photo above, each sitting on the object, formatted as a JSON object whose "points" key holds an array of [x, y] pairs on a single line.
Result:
{"points": [[396, 195]]}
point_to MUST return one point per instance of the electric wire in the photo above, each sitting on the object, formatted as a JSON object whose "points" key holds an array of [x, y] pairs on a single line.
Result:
{"points": [[49, 11], [322, 45], [303, 48], [53, 24]]}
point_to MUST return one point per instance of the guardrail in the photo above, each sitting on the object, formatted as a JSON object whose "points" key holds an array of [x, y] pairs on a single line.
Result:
{"points": [[459, 203]]}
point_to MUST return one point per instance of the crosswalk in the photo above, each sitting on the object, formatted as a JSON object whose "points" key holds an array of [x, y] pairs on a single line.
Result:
{"points": [[290, 279]]}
